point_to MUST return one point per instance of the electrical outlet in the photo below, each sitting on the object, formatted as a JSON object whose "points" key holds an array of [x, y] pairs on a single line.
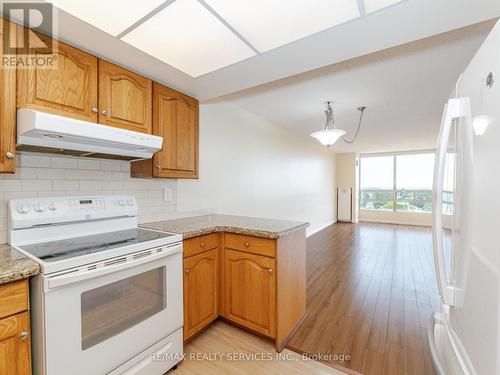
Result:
{"points": [[167, 194]]}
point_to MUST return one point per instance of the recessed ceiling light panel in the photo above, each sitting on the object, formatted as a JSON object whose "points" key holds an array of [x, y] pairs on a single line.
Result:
{"points": [[374, 5], [112, 16], [273, 23], [187, 36]]}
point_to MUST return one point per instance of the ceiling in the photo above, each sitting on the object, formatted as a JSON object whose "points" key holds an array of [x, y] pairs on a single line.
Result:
{"points": [[265, 58], [197, 29], [404, 88]]}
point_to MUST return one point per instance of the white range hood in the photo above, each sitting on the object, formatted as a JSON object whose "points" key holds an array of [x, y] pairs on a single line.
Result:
{"points": [[40, 131]]}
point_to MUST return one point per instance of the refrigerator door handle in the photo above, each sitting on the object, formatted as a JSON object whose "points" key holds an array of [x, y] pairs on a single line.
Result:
{"points": [[455, 109]]}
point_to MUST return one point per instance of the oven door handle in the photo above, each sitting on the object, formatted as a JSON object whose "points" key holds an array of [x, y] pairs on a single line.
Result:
{"points": [[129, 261]]}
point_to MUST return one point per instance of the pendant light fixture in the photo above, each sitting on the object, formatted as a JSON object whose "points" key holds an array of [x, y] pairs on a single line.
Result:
{"points": [[330, 134]]}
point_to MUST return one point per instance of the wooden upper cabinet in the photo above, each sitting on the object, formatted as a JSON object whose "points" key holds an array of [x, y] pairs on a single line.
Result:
{"points": [[7, 109], [176, 119], [125, 98], [250, 291], [70, 90], [200, 291]]}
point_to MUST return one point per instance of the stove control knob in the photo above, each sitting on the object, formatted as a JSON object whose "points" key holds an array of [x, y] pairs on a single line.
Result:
{"points": [[130, 202], [39, 207], [52, 207], [121, 202], [23, 209]]}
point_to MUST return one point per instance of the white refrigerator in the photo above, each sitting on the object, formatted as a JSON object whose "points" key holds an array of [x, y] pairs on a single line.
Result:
{"points": [[464, 335]]}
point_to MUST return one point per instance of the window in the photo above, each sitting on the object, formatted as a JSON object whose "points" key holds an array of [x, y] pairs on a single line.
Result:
{"points": [[377, 180], [397, 182]]}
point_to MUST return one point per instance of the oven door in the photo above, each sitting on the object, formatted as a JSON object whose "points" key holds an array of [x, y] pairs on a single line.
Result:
{"points": [[95, 324]]}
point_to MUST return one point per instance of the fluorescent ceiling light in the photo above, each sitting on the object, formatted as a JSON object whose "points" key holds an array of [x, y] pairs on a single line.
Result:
{"points": [[374, 5], [187, 36], [273, 23], [112, 16]]}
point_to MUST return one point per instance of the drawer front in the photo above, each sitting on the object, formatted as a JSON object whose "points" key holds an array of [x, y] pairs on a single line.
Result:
{"points": [[13, 298], [14, 325], [250, 244], [197, 245]]}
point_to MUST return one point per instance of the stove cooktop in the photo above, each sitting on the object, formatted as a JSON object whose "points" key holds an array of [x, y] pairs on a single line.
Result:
{"points": [[84, 245]]}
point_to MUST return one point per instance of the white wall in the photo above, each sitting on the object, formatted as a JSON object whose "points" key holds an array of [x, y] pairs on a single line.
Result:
{"points": [[249, 166]]}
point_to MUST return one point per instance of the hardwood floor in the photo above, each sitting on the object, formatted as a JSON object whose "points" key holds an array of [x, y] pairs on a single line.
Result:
{"points": [[225, 349], [371, 290]]}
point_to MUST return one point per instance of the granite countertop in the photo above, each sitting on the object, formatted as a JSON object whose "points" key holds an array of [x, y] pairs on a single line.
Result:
{"points": [[15, 266], [252, 226]]}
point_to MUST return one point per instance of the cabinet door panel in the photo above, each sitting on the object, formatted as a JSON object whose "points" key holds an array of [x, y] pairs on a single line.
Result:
{"points": [[69, 90], [7, 109], [15, 357], [125, 98], [200, 291], [250, 291], [176, 120]]}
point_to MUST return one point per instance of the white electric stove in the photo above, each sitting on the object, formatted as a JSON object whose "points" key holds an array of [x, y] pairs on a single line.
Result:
{"points": [[109, 296]]}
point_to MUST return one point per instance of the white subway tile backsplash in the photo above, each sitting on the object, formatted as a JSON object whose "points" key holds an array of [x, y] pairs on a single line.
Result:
{"points": [[100, 175], [64, 162], [125, 166], [17, 194], [91, 185], [34, 160], [120, 175], [111, 165], [36, 185], [63, 185], [89, 164], [46, 175], [21, 173], [10, 185], [77, 174], [50, 174]]}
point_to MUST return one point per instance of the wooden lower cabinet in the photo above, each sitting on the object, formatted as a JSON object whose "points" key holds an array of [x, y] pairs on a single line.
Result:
{"points": [[250, 291], [15, 345], [201, 291], [15, 353], [256, 283]]}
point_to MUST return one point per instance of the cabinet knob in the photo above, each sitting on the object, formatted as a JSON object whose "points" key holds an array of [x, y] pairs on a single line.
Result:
{"points": [[187, 270], [158, 166], [24, 335], [269, 270], [203, 244], [95, 109], [9, 155], [247, 244], [104, 112]]}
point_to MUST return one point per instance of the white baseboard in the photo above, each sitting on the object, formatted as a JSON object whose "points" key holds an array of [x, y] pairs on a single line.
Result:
{"points": [[400, 222], [312, 230]]}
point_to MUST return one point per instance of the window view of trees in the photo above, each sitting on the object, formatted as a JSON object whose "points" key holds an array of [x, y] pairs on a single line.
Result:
{"points": [[377, 183], [400, 183]]}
